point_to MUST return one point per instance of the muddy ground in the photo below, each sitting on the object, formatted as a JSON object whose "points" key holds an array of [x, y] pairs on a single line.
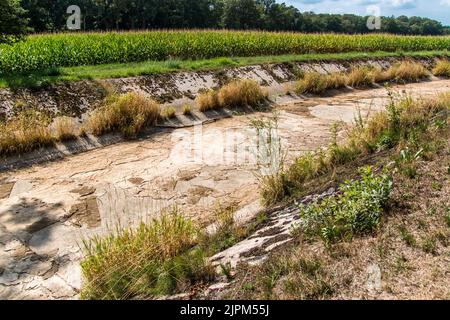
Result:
{"points": [[48, 209]]}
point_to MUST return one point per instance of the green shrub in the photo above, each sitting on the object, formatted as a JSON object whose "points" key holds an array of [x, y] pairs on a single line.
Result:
{"points": [[357, 210]]}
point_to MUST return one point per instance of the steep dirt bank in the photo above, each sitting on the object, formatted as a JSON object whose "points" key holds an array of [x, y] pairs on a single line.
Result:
{"points": [[46, 210]]}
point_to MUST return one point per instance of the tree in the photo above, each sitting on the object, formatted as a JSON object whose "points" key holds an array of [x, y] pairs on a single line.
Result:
{"points": [[13, 24], [273, 15], [39, 14], [242, 14]]}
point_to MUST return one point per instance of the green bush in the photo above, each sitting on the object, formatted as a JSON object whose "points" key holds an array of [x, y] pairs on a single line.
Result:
{"points": [[357, 210]]}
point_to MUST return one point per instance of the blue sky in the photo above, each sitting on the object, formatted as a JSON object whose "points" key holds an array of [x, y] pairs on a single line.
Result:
{"points": [[435, 9]]}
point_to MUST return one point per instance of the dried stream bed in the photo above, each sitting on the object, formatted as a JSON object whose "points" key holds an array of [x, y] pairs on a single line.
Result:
{"points": [[46, 210]]}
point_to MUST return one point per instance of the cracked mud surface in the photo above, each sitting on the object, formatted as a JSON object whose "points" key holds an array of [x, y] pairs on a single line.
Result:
{"points": [[48, 209]]}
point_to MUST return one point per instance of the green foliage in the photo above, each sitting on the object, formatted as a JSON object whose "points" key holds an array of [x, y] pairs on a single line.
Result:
{"points": [[50, 15], [407, 162], [40, 52], [13, 23], [357, 210]]}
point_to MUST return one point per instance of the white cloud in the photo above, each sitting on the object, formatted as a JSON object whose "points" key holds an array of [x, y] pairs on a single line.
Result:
{"points": [[445, 2], [310, 1], [403, 4]]}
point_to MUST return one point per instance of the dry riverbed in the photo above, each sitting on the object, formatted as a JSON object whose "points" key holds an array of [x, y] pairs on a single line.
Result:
{"points": [[46, 210]]}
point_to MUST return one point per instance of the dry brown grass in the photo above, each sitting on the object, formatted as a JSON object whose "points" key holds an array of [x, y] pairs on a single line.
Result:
{"points": [[208, 101], [380, 76], [64, 129], [169, 113], [316, 83], [360, 77], [187, 110], [153, 259], [239, 93], [408, 71], [128, 113], [26, 132], [363, 76], [442, 68], [312, 82]]}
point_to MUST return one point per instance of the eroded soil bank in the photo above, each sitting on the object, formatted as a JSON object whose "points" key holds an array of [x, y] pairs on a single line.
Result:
{"points": [[48, 209], [75, 99]]}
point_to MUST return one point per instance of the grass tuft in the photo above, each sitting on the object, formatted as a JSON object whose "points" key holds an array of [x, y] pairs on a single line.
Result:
{"points": [[155, 259], [128, 113], [238, 93], [360, 77], [408, 71], [442, 69], [187, 110], [315, 82], [26, 132], [241, 93], [64, 129], [170, 113]]}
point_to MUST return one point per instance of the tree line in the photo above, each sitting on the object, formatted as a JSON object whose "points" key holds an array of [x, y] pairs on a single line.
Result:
{"points": [[21, 16]]}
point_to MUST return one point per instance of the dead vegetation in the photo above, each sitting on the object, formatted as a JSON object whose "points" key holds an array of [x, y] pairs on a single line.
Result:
{"points": [[238, 93], [65, 129], [187, 110], [129, 114], [442, 68], [361, 77], [408, 71], [169, 113], [26, 132]]}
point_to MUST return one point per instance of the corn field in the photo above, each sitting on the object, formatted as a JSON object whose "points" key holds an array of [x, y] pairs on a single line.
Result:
{"points": [[47, 51]]}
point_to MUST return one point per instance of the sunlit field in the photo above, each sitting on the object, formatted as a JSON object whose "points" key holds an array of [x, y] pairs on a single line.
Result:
{"points": [[46, 51]]}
